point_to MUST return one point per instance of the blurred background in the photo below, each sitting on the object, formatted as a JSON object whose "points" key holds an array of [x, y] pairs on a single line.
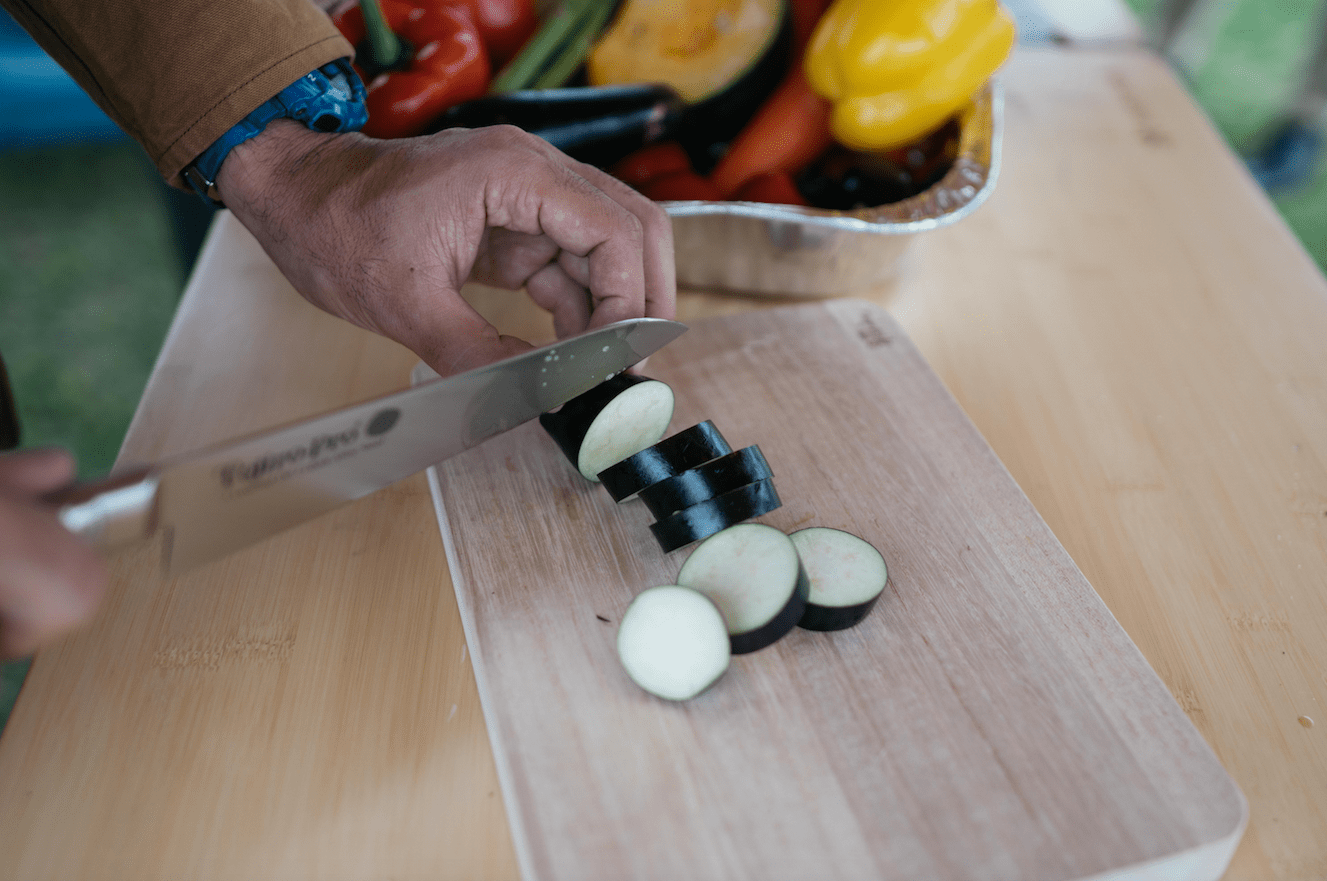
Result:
{"points": [[95, 250]]}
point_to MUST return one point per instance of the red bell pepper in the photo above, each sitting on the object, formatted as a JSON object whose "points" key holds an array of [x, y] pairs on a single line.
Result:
{"points": [[649, 163], [776, 187], [681, 186], [445, 63], [806, 15], [504, 26]]}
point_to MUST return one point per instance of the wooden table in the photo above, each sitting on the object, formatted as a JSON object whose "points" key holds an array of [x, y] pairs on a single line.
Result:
{"points": [[1127, 321]]}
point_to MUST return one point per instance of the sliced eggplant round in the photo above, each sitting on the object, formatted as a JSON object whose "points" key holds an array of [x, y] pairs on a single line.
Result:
{"points": [[673, 642], [705, 482], [620, 416], [847, 576], [672, 455], [753, 574], [719, 513]]}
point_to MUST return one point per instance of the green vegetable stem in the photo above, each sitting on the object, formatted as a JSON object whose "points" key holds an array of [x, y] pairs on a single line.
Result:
{"points": [[557, 48], [385, 48]]}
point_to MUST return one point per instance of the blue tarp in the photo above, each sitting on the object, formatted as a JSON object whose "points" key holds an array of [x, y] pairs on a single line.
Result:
{"points": [[39, 103]]}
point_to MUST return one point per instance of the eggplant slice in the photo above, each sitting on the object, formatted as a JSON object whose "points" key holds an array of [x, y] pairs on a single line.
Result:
{"points": [[673, 642], [847, 576], [704, 482], [670, 456], [753, 574], [704, 519], [617, 418]]}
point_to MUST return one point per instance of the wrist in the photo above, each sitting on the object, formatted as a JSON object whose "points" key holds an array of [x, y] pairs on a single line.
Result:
{"points": [[256, 170], [328, 99]]}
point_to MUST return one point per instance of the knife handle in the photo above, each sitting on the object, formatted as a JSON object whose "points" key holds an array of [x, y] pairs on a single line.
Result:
{"points": [[110, 513], [107, 513]]}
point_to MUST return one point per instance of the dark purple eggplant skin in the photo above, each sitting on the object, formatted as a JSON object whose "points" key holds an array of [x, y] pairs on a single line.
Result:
{"points": [[674, 454], [597, 125], [706, 481], [780, 625], [829, 618], [844, 180], [703, 520], [569, 424]]}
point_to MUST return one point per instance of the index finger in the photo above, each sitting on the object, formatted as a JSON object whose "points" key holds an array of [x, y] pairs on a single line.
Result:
{"points": [[621, 236], [658, 260]]}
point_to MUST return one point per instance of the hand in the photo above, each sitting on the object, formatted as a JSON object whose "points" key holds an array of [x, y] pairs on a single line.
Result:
{"points": [[385, 233], [50, 581]]}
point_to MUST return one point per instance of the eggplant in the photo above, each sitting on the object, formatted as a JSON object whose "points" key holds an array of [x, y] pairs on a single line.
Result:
{"points": [[688, 448], [704, 482], [753, 574], [597, 125], [673, 642], [847, 575], [620, 416], [704, 519]]}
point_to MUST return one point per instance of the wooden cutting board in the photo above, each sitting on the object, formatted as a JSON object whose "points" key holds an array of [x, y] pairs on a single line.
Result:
{"points": [[989, 720]]}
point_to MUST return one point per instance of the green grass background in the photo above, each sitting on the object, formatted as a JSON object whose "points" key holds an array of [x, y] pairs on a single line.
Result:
{"points": [[89, 279], [90, 273], [1243, 61]]}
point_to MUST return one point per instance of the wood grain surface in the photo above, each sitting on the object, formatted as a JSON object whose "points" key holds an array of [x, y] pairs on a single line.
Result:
{"points": [[301, 709], [1127, 322], [988, 720]]}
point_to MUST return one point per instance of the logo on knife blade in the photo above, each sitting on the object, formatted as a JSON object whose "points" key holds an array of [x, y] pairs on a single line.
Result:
{"points": [[382, 421], [319, 450]]}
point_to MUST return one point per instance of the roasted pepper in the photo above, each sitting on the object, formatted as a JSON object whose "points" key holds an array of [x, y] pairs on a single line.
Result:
{"points": [[504, 25], [444, 64], [897, 69]]}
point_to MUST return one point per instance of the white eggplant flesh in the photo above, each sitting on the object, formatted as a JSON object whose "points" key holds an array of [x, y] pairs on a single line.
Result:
{"points": [[632, 421], [753, 574], [847, 574], [673, 642]]}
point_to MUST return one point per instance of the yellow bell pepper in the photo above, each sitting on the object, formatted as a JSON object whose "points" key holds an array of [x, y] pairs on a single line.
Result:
{"points": [[897, 69]]}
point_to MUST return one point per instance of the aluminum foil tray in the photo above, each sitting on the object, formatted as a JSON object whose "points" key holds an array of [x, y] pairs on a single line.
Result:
{"points": [[787, 250]]}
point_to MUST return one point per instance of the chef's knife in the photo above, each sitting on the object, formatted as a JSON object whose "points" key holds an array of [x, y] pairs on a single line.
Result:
{"points": [[211, 502]]}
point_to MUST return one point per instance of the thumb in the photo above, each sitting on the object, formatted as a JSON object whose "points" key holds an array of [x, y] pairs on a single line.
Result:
{"points": [[49, 580]]}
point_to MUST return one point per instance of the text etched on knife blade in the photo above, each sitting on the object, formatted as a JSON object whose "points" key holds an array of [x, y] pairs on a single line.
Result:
{"points": [[317, 452]]}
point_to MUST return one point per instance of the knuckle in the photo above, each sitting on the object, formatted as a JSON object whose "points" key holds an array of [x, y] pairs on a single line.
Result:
{"points": [[504, 136]]}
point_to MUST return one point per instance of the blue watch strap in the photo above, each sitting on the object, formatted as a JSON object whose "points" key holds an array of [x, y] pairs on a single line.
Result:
{"points": [[329, 99]]}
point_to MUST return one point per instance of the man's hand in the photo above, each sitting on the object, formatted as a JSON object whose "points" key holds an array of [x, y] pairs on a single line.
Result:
{"points": [[50, 581], [385, 233]]}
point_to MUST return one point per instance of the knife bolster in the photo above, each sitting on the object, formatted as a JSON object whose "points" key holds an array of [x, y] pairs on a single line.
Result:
{"points": [[111, 513]]}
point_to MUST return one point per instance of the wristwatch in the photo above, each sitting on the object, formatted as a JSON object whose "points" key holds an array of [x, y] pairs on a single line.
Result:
{"points": [[329, 99]]}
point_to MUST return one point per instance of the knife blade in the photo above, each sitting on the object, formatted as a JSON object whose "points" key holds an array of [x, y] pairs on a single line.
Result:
{"points": [[219, 499]]}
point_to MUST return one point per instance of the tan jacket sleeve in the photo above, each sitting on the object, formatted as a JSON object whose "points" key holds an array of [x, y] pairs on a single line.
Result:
{"points": [[176, 74]]}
